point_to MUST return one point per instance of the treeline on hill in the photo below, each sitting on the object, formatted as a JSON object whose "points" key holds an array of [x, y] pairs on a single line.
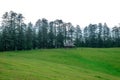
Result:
{"points": [[16, 35]]}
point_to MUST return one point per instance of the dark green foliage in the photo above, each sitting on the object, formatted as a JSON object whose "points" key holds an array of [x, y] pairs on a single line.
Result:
{"points": [[16, 35], [99, 37], [44, 33], [20, 33], [39, 33], [116, 36], [78, 39], [59, 32], [51, 36], [5, 40], [34, 39], [29, 37]]}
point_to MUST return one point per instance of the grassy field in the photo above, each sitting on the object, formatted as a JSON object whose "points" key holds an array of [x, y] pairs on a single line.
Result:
{"points": [[61, 64]]}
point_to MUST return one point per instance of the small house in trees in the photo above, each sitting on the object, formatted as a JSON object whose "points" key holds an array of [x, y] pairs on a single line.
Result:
{"points": [[69, 44]]}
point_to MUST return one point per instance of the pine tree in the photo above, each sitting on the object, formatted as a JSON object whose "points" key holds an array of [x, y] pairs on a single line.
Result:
{"points": [[99, 38], [38, 26], [51, 36], [6, 37], [20, 33], [34, 40], [106, 36], [78, 35], [29, 37], [44, 33]]}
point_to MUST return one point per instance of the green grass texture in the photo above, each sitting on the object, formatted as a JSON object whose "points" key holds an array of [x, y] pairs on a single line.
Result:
{"points": [[61, 64]]}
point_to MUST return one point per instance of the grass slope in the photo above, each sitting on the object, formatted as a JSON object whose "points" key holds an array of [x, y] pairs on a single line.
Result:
{"points": [[61, 64]]}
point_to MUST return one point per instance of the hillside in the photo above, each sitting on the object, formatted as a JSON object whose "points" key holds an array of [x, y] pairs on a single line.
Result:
{"points": [[61, 64]]}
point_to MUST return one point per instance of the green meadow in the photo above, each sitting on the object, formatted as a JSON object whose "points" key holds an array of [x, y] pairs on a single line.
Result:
{"points": [[61, 64]]}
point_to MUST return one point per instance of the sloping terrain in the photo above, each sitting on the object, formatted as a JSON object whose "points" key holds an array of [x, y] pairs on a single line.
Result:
{"points": [[61, 64]]}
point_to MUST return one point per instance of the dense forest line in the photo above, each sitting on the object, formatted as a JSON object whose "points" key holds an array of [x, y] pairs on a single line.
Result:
{"points": [[16, 35]]}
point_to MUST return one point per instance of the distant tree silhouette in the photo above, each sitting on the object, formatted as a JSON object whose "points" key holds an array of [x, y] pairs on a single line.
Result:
{"points": [[16, 35]]}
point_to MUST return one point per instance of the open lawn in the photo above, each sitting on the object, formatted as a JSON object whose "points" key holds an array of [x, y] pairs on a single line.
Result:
{"points": [[61, 64]]}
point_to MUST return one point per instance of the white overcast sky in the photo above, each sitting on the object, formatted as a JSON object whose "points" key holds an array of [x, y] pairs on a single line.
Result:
{"points": [[82, 12]]}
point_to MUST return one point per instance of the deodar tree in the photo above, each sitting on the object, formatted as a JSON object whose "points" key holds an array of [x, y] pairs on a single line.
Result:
{"points": [[15, 34]]}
